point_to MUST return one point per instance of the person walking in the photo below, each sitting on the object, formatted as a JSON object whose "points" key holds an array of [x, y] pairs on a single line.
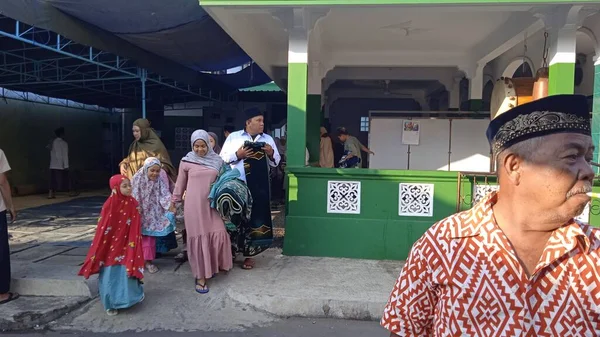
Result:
{"points": [[208, 243], [59, 165], [6, 208], [253, 152]]}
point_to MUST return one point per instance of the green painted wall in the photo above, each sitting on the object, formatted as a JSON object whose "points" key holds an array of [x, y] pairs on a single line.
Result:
{"points": [[378, 232], [314, 116], [373, 2], [296, 114], [561, 79], [595, 209], [596, 116], [26, 128]]}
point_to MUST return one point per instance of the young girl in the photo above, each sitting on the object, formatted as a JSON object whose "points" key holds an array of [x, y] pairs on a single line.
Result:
{"points": [[208, 244], [116, 251], [151, 190]]}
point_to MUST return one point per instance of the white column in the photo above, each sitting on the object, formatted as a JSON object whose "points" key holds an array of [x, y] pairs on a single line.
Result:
{"points": [[315, 78], [454, 92], [476, 82]]}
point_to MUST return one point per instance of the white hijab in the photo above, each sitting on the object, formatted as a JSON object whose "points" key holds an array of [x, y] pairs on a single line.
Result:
{"points": [[210, 159]]}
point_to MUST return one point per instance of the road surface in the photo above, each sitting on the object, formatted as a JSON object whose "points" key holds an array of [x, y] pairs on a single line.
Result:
{"points": [[292, 327]]}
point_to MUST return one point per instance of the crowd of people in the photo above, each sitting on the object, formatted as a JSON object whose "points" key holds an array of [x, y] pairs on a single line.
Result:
{"points": [[222, 193]]}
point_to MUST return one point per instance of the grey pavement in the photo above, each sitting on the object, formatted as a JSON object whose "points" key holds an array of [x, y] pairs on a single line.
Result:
{"points": [[47, 251], [293, 327]]}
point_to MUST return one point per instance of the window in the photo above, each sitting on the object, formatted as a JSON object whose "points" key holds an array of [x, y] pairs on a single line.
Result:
{"points": [[182, 138], [364, 124]]}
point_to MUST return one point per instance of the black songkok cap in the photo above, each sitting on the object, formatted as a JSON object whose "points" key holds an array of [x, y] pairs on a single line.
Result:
{"points": [[548, 115], [253, 112]]}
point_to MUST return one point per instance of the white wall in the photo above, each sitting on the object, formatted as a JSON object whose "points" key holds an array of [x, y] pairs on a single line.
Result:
{"points": [[463, 138]]}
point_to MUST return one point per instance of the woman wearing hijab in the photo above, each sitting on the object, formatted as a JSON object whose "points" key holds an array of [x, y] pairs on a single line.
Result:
{"points": [[214, 142], [151, 190], [116, 251], [208, 243], [146, 144]]}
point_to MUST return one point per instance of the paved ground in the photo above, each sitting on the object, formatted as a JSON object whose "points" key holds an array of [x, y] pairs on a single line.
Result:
{"points": [[49, 244], [293, 327]]}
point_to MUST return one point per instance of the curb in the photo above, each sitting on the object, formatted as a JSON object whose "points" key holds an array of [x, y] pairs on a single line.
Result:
{"points": [[33, 279], [311, 308], [38, 319]]}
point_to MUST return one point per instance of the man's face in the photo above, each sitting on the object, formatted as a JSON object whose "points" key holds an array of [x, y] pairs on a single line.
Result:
{"points": [[256, 125], [343, 138], [559, 176]]}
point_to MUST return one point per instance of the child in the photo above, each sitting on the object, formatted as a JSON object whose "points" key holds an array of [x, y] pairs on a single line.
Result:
{"points": [[151, 190], [116, 251]]}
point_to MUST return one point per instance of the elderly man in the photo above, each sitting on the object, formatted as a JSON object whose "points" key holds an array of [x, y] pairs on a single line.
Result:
{"points": [[517, 264], [252, 152]]}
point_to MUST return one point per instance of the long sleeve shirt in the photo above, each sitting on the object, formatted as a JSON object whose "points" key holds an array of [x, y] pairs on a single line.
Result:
{"points": [[59, 155], [236, 140]]}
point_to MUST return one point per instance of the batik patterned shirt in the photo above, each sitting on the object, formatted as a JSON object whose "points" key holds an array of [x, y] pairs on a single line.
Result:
{"points": [[462, 278]]}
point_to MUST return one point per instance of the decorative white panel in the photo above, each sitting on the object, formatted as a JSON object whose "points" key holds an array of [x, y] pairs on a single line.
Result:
{"points": [[343, 197], [480, 191], [416, 200], [585, 215]]}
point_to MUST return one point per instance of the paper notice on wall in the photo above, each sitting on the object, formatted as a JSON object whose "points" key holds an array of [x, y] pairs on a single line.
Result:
{"points": [[410, 132]]}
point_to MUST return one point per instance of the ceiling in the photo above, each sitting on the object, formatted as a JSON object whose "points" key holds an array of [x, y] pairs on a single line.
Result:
{"points": [[412, 28]]}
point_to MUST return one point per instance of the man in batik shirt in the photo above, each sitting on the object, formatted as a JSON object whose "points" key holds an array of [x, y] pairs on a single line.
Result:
{"points": [[517, 264]]}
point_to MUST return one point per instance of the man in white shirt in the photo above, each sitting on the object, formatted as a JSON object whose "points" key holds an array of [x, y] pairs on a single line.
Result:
{"points": [[6, 206], [59, 163], [254, 161]]}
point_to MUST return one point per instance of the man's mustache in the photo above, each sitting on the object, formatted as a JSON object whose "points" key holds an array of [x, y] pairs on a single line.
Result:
{"points": [[584, 189]]}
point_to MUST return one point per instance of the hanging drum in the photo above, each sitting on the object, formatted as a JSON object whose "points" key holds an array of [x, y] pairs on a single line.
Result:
{"points": [[509, 93]]}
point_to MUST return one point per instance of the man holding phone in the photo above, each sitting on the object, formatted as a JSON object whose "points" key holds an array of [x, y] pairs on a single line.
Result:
{"points": [[253, 152]]}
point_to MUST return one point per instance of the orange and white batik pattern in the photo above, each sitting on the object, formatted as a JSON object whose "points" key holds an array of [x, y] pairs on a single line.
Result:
{"points": [[462, 278]]}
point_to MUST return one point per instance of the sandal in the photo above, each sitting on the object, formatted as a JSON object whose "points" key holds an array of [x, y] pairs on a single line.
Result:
{"points": [[248, 264], [112, 312], [11, 297], [152, 269], [201, 288], [181, 257]]}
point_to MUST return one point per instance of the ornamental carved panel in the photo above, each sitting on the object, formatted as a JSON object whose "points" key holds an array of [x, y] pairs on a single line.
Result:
{"points": [[416, 200], [480, 191], [343, 197]]}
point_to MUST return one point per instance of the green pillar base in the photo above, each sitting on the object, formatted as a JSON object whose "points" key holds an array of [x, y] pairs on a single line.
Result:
{"points": [[472, 105], [561, 79]]}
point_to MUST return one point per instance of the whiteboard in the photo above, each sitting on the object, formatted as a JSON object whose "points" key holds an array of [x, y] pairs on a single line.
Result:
{"points": [[469, 152], [432, 151], [385, 139], [470, 147]]}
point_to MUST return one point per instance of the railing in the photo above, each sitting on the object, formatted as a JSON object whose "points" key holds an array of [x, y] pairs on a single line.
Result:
{"points": [[472, 186]]}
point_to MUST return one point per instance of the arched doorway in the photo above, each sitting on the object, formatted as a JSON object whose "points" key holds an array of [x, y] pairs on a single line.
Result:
{"points": [[519, 67]]}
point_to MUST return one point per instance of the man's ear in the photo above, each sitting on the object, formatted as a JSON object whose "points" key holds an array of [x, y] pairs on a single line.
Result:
{"points": [[511, 166]]}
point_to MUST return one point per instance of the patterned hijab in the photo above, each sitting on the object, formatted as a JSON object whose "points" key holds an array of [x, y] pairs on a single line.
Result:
{"points": [[154, 198], [210, 159], [214, 136], [118, 239], [149, 145]]}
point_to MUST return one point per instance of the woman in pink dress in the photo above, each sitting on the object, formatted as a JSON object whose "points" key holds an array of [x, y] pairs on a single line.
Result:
{"points": [[208, 244]]}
